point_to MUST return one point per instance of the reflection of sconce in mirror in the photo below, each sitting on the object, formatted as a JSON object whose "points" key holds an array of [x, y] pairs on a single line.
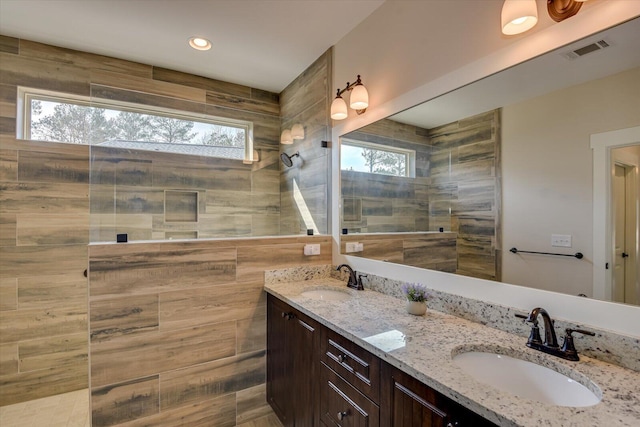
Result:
{"points": [[289, 135], [519, 16], [359, 100], [255, 159], [286, 159]]}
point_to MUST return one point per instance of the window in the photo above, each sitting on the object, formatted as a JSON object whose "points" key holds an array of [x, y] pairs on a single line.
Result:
{"points": [[374, 158], [58, 117]]}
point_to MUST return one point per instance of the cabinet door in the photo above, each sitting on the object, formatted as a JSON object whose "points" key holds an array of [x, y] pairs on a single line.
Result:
{"points": [[406, 402], [279, 360], [292, 364], [341, 405], [304, 348]]}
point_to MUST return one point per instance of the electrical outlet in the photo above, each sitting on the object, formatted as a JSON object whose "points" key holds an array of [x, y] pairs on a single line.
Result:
{"points": [[354, 247], [561, 240], [312, 249]]}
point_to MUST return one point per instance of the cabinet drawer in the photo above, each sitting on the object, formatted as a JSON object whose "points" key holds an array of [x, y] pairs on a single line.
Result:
{"points": [[341, 405], [356, 365]]}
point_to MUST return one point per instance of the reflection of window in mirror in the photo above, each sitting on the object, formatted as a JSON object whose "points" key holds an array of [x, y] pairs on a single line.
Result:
{"points": [[368, 157]]}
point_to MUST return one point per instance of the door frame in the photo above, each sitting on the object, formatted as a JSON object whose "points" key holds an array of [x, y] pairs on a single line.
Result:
{"points": [[601, 144]]}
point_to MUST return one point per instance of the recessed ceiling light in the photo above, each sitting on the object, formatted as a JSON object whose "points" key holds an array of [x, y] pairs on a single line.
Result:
{"points": [[199, 43]]}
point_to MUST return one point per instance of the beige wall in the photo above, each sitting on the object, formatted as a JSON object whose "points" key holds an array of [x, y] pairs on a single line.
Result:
{"points": [[547, 177]]}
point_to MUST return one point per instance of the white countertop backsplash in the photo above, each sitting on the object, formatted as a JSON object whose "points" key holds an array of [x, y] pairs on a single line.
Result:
{"points": [[430, 341]]}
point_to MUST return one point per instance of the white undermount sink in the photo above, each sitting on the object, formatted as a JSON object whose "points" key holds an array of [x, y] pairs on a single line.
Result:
{"points": [[326, 294], [526, 379]]}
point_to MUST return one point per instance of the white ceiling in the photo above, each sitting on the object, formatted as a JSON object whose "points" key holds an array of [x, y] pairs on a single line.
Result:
{"points": [[264, 44], [541, 75]]}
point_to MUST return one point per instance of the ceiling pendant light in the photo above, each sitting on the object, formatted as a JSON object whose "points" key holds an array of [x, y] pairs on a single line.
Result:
{"points": [[518, 16]]}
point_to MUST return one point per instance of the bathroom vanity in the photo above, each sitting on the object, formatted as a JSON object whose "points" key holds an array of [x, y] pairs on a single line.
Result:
{"points": [[341, 357], [315, 373]]}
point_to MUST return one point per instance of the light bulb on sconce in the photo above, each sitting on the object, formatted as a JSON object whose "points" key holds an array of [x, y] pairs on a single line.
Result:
{"points": [[518, 16], [297, 131], [359, 100], [286, 137]]}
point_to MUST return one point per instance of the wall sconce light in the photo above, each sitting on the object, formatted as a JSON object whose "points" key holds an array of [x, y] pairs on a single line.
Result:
{"points": [[359, 100], [294, 134], [518, 16], [559, 10]]}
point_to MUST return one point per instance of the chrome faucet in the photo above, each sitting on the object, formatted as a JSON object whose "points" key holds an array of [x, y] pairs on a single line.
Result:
{"points": [[550, 344], [354, 281]]}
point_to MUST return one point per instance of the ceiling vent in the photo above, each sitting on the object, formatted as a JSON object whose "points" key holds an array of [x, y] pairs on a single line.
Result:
{"points": [[585, 50]]}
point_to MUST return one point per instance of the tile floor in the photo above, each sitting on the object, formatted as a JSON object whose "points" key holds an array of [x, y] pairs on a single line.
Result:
{"points": [[63, 410]]}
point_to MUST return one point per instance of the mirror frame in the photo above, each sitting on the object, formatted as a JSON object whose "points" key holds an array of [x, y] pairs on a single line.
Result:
{"points": [[613, 316]]}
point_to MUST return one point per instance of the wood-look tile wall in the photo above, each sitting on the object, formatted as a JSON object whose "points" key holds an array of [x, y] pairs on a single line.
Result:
{"points": [[435, 251], [46, 215], [387, 203], [305, 186], [44, 229], [465, 175], [178, 330]]}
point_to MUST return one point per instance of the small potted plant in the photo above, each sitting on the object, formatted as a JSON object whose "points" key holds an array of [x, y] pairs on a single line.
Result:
{"points": [[417, 297]]}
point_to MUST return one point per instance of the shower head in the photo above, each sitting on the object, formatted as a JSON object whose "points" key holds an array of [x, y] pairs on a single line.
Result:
{"points": [[286, 159]]}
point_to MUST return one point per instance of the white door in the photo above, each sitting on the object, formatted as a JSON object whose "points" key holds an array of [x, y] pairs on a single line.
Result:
{"points": [[624, 229]]}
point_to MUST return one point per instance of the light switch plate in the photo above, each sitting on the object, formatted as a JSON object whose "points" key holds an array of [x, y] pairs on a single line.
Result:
{"points": [[561, 240]]}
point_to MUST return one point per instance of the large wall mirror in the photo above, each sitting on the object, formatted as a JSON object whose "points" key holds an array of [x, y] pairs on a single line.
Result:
{"points": [[454, 184]]}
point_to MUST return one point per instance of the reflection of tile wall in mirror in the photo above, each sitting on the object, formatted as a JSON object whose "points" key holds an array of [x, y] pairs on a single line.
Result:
{"points": [[351, 209], [455, 189]]}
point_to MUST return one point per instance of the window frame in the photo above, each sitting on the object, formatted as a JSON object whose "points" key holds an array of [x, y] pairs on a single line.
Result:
{"points": [[409, 154], [26, 95]]}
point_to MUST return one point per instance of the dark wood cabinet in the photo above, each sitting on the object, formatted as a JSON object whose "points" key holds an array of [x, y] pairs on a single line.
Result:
{"points": [[317, 377], [406, 402], [292, 364], [341, 405], [356, 365]]}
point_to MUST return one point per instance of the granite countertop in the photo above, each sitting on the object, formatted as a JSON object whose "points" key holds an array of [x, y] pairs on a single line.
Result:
{"points": [[425, 345]]}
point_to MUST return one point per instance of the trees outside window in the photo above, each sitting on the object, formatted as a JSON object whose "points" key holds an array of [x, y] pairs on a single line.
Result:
{"points": [[63, 120]]}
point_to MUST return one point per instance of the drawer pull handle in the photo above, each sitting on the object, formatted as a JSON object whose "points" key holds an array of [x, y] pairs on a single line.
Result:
{"points": [[342, 358], [341, 415]]}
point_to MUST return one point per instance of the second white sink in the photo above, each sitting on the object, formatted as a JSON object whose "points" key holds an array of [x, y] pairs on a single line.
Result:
{"points": [[526, 379]]}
